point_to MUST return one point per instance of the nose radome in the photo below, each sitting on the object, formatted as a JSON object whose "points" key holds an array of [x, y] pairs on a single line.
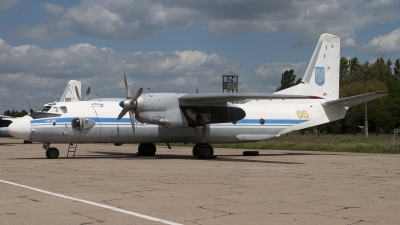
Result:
{"points": [[21, 128]]}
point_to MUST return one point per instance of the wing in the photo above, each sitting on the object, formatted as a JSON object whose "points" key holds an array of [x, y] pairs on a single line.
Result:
{"points": [[3, 116], [234, 97], [357, 99]]}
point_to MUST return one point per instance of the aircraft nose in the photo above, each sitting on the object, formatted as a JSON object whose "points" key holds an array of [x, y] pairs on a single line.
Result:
{"points": [[21, 128]]}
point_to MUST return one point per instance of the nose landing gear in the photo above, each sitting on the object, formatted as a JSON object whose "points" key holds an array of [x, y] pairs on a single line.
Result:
{"points": [[51, 153]]}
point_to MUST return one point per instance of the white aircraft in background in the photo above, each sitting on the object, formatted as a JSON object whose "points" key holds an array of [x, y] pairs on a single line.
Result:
{"points": [[5, 121], [71, 94], [200, 118]]}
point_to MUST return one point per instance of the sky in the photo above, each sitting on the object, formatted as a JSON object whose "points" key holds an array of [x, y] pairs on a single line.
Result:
{"points": [[177, 45]]}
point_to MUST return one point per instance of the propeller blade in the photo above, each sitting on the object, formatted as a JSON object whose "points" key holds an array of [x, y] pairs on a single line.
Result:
{"points": [[132, 117], [138, 93], [87, 94], [88, 91], [128, 90], [77, 93], [122, 114], [128, 105]]}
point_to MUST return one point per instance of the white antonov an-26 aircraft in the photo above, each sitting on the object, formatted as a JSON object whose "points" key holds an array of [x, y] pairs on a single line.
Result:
{"points": [[200, 118]]}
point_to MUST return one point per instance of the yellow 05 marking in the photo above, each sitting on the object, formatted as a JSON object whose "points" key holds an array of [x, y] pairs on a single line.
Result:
{"points": [[302, 114]]}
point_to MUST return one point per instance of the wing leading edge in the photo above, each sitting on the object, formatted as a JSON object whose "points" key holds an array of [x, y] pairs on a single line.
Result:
{"points": [[231, 97]]}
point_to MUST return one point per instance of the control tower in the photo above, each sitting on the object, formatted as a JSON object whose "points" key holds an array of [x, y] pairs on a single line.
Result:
{"points": [[230, 82]]}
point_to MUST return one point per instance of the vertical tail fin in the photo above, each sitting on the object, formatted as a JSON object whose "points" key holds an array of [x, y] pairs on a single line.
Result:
{"points": [[322, 75], [70, 94]]}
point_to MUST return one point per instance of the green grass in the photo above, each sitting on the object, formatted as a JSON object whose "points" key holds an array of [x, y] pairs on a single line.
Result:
{"points": [[325, 142]]}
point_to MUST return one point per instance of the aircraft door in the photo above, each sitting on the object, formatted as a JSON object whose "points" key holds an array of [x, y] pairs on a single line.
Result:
{"points": [[98, 107], [109, 129]]}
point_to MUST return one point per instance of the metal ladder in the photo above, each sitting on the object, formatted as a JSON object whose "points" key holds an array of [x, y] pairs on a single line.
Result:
{"points": [[72, 148]]}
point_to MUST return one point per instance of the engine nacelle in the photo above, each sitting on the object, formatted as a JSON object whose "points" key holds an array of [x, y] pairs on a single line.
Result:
{"points": [[164, 109], [79, 123], [160, 108]]}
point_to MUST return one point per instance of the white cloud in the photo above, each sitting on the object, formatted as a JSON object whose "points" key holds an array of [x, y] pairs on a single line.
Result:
{"points": [[127, 20], [348, 43], [269, 75], [7, 4], [31, 73], [383, 45]]}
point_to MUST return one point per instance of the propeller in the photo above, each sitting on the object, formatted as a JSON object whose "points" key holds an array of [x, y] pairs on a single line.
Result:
{"points": [[87, 93], [77, 93], [129, 105]]}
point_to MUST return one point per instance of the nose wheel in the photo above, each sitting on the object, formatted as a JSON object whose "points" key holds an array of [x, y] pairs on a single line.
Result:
{"points": [[52, 153]]}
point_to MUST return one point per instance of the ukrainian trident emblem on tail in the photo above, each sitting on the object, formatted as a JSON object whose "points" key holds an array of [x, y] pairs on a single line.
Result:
{"points": [[320, 76]]}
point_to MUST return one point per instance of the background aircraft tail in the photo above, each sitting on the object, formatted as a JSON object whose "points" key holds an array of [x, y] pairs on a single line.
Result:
{"points": [[70, 93], [322, 75]]}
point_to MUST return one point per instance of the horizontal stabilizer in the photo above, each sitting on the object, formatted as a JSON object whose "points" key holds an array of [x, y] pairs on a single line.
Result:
{"points": [[357, 99], [3, 116], [234, 97]]}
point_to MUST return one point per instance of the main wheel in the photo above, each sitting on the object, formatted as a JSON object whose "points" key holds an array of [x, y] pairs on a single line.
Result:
{"points": [[52, 153], [195, 148], [147, 149], [205, 151]]}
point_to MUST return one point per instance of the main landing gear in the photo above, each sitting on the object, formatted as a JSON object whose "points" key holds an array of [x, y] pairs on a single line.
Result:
{"points": [[203, 150], [147, 149]]}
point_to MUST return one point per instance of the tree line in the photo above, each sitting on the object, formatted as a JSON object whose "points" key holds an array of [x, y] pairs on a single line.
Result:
{"points": [[383, 113], [16, 113]]}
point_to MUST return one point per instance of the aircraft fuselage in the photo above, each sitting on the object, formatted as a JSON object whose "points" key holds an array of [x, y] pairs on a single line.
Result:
{"points": [[264, 119]]}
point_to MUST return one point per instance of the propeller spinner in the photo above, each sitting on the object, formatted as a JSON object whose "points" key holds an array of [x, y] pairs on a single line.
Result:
{"points": [[129, 105]]}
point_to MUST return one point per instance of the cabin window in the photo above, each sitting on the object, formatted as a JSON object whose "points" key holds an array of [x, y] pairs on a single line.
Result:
{"points": [[54, 109], [45, 108], [63, 109]]}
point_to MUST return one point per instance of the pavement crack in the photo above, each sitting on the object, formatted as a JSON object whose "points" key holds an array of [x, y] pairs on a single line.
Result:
{"points": [[30, 199], [224, 214], [89, 217]]}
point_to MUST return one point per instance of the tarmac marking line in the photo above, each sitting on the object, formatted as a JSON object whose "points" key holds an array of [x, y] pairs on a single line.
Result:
{"points": [[93, 203]]}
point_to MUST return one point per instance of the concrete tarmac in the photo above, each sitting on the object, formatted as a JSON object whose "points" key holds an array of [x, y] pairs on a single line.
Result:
{"points": [[277, 187]]}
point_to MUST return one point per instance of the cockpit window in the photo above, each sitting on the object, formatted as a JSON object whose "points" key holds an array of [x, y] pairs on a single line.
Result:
{"points": [[5, 123], [63, 109], [45, 109], [54, 109]]}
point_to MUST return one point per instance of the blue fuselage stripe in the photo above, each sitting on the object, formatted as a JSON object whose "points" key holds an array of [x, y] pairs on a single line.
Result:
{"points": [[114, 121]]}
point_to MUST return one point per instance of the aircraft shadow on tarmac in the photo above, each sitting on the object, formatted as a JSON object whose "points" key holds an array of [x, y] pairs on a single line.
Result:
{"points": [[134, 156], [227, 158], [233, 158]]}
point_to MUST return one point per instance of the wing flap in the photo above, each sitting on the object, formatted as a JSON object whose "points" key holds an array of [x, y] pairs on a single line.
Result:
{"points": [[357, 99]]}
